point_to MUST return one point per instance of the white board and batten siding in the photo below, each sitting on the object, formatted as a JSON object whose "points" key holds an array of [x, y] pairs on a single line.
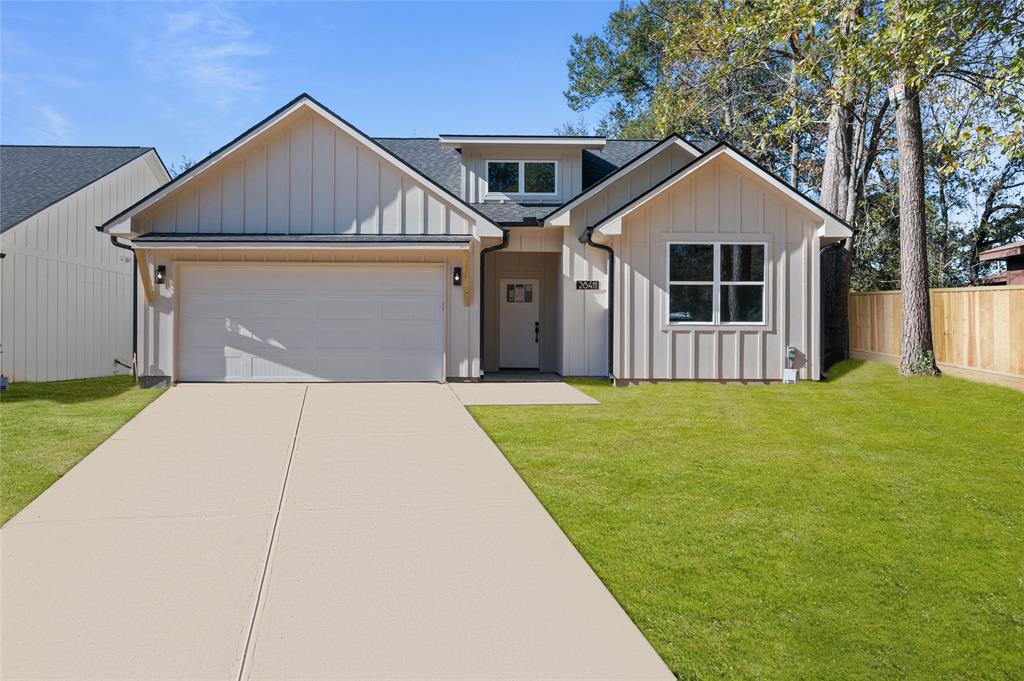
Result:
{"points": [[722, 202], [304, 175], [569, 168], [585, 331], [66, 290]]}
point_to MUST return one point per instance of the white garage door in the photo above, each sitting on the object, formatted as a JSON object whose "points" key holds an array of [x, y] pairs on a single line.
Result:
{"points": [[299, 323]]}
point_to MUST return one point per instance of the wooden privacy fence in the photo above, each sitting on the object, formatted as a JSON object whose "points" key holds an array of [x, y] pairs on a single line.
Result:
{"points": [[978, 332]]}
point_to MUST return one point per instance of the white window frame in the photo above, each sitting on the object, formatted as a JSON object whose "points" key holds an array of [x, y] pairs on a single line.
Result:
{"points": [[716, 284], [522, 177]]}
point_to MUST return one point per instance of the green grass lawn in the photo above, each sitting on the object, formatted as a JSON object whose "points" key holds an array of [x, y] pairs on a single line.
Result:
{"points": [[46, 428], [868, 527]]}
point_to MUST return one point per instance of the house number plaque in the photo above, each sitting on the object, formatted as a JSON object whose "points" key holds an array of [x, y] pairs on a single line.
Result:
{"points": [[587, 285]]}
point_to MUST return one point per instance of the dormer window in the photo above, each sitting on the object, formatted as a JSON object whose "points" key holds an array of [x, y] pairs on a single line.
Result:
{"points": [[526, 178]]}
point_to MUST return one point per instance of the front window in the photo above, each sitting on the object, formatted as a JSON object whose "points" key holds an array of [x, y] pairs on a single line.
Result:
{"points": [[716, 283], [522, 177]]}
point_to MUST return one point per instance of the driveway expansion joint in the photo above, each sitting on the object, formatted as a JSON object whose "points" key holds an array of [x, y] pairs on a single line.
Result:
{"points": [[246, 651]]}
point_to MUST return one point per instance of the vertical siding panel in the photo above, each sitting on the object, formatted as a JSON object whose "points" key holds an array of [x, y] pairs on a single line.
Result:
{"points": [[368, 174], [457, 224], [53, 319], [256, 181], [186, 216], [232, 219], [435, 215], [706, 199], [209, 207], [413, 208], [8, 291], [163, 223], [640, 253], [301, 177], [345, 185], [42, 319], [323, 177], [390, 200], [752, 211], [729, 199], [278, 178], [23, 311]]}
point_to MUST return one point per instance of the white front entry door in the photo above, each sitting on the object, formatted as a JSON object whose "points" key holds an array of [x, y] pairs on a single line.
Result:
{"points": [[519, 322], [311, 323]]}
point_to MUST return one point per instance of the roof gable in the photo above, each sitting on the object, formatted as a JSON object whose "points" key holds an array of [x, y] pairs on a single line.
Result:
{"points": [[286, 115], [33, 178], [834, 226], [645, 151]]}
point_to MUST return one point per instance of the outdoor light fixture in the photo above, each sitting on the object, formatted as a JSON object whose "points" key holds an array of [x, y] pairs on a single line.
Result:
{"points": [[456, 276], [161, 274]]}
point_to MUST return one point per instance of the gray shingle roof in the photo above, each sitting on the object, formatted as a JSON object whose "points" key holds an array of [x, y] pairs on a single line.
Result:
{"points": [[616, 153], [508, 212], [34, 177], [443, 166]]}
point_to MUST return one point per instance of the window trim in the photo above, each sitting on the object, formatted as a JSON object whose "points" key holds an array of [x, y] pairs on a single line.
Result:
{"points": [[716, 284], [522, 177]]}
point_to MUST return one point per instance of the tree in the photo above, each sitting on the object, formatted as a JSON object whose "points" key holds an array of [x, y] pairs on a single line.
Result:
{"points": [[975, 42], [181, 166], [577, 128], [801, 85]]}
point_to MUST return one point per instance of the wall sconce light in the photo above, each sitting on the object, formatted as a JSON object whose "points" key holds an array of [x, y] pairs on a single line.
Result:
{"points": [[161, 274], [456, 276]]}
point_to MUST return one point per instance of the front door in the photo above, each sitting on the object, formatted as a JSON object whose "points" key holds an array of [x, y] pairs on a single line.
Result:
{"points": [[519, 322]]}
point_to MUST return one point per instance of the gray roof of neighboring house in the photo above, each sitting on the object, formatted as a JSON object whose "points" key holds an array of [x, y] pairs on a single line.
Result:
{"points": [[35, 177]]}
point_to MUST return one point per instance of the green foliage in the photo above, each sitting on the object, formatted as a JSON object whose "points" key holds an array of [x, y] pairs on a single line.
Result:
{"points": [[768, 76], [868, 527], [620, 66], [922, 365]]}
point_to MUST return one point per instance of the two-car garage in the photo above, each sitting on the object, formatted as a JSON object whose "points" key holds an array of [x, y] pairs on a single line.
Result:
{"points": [[308, 322]]}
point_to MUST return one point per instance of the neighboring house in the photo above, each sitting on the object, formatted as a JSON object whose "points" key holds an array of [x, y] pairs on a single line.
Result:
{"points": [[66, 290], [1013, 255], [306, 250]]}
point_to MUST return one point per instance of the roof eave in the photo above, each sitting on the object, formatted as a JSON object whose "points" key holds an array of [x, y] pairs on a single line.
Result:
{"points": [[485, 226]]}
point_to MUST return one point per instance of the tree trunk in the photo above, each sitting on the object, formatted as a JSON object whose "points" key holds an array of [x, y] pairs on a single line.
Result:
{"points": [[917, 354], [835, 176], [836, 263]]}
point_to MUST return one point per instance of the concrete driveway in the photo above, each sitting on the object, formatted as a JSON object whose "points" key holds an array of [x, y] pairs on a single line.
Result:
{"points": [[290, 531]]}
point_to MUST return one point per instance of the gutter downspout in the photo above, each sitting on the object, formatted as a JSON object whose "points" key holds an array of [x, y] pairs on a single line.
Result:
{"points": [[483, 280], [135, 302], [588, 238]]}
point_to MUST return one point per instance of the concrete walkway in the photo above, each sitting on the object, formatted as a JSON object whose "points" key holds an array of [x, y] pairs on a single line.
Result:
{"points": [[516, 393], [323, 531]]}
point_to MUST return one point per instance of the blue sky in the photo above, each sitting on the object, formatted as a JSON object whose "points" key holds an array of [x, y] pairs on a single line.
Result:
{"points": [[188, 77]]}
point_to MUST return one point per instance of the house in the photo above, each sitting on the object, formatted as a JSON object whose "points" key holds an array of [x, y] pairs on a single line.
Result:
{"points": [[66, 291], [305, 250], [1013, 255]]}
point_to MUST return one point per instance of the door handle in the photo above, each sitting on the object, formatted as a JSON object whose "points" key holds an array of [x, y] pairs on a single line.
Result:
{"points": [[536, 332]]}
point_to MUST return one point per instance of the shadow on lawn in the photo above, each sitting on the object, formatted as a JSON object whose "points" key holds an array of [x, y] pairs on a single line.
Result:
{"points": [[843, 369], [68, 392]]}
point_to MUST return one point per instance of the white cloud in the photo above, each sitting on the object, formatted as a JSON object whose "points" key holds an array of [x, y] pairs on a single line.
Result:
{"points": [[52, 123], [210, 48]]}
